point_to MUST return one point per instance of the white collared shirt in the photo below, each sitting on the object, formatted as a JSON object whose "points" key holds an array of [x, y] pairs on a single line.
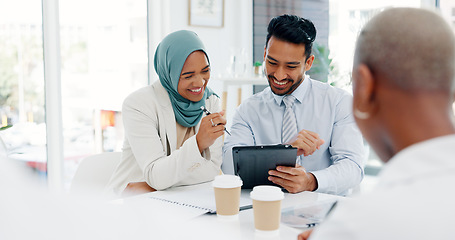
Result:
{"points": [[414, 198]]}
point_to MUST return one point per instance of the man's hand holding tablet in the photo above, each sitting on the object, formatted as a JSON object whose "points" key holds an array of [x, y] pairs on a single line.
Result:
{"points": [[297, 179]]}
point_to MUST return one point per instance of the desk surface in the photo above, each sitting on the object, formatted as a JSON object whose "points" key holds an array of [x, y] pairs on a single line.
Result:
{"points": [[168, 224]]}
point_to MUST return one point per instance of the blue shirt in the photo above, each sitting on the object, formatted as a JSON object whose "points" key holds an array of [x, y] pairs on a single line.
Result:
{"points": [[320, 108]]}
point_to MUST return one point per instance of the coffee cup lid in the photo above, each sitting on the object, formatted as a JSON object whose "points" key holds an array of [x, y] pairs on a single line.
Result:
{"points": [[266, 193], [227, 181]]}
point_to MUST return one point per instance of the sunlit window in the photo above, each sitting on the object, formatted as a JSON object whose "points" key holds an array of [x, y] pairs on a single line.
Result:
{"points": [[104, 58], [22, 83], [347, 17]]}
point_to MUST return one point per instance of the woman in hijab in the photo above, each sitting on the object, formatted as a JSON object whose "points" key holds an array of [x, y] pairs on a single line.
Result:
{"points": [[169, 141]]}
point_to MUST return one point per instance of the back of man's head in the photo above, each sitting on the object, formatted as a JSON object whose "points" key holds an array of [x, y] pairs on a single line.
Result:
{"points": [[412, 49], [294, 29]]}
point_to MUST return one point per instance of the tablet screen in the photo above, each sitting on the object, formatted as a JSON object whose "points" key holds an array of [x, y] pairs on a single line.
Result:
{"points": [[252, 163]]}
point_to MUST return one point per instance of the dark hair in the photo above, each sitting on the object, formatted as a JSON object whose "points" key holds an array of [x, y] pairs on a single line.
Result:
{"points": [[294, 29]]}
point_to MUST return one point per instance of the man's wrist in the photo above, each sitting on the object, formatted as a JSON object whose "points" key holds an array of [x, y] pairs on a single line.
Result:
{"points": [[313, 182]]}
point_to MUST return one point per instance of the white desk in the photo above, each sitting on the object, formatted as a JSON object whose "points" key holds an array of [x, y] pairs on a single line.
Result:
{"points": [[209, 226]]}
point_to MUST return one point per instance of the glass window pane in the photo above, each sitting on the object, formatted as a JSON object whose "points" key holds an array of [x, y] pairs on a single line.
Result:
{"points": [[347, 18], [447, 8], [22, 83], [104, 58], [448, 11]]}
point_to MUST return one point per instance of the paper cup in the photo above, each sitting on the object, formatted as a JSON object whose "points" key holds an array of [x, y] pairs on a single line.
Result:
{"points": [[227, 195], [267, 208]]}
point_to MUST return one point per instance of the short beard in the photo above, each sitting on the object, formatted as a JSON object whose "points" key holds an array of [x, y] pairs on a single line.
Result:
{"points": [[292, 88]]}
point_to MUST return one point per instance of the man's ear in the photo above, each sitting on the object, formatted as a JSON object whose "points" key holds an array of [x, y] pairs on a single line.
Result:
{"points": [[363, 89], [309, 63], [265, 52]]}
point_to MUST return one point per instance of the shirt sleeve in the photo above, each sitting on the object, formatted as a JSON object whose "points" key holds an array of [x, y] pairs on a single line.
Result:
{"points": [[241, 135], [347, 152]]}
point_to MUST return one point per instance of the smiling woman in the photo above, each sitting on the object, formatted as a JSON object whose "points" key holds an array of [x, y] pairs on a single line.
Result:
{"points": [[195, 76], [168, 140]]}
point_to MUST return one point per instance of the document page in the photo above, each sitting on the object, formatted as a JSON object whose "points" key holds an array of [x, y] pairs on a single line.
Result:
{"points": [[308, 215], [200, 197]]}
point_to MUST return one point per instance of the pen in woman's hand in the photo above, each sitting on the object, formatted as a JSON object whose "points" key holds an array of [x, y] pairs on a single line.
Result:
{"points": [[208, 113]]}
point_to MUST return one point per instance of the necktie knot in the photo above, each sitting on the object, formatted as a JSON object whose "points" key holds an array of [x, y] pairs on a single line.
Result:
{"points": [[289, 101]]}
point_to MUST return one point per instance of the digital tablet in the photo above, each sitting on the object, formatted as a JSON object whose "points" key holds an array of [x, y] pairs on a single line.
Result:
{"points": [[252, 163]]}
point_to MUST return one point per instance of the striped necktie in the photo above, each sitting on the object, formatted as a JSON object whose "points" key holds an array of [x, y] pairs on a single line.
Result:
{"points": [[289, 129]]}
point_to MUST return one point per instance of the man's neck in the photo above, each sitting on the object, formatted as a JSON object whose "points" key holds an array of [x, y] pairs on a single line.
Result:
{"points": [[426, 119]]}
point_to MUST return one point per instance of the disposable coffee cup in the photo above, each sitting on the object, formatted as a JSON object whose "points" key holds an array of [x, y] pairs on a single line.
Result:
{"points": [[227, 195], [267, 208]]}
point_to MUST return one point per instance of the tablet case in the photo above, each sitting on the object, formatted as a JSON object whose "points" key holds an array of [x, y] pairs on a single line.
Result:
{"points": [[252, 163]]}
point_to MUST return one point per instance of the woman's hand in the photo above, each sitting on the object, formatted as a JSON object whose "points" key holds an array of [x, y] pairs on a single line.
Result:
{"points": [[305, 235], [134, 188], [211, 128]]}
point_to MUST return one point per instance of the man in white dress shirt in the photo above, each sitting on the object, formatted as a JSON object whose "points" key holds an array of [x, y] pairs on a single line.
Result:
{"points": [[330, 145], [403, 79]]}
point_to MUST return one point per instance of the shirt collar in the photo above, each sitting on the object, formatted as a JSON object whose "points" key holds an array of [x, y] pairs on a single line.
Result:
{"points": [[298, 93]]}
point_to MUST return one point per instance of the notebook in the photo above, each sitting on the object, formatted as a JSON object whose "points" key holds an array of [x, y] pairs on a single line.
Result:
{"points": [[252, 163], [200, 197]]}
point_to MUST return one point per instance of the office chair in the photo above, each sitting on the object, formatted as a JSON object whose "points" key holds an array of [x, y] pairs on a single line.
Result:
{"points": [[94, 173]]}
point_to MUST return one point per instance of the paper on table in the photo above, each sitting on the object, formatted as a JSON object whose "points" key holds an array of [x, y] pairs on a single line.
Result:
{"points": [[200, 197], [305, 216]]}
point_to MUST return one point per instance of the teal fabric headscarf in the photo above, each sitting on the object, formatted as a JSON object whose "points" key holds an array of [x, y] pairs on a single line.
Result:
{"points": [[170, 56]]}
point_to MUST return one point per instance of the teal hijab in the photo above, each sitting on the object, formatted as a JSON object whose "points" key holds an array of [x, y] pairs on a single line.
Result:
{"points": [[170, 56]]}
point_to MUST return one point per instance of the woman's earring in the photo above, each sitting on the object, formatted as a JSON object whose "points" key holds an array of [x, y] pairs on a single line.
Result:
{"points": [[361, 115]]}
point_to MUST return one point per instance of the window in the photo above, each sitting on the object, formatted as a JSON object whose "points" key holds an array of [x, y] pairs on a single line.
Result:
{"points": [[348, 18], [103, 59], [447, 8], [22, 82]]}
